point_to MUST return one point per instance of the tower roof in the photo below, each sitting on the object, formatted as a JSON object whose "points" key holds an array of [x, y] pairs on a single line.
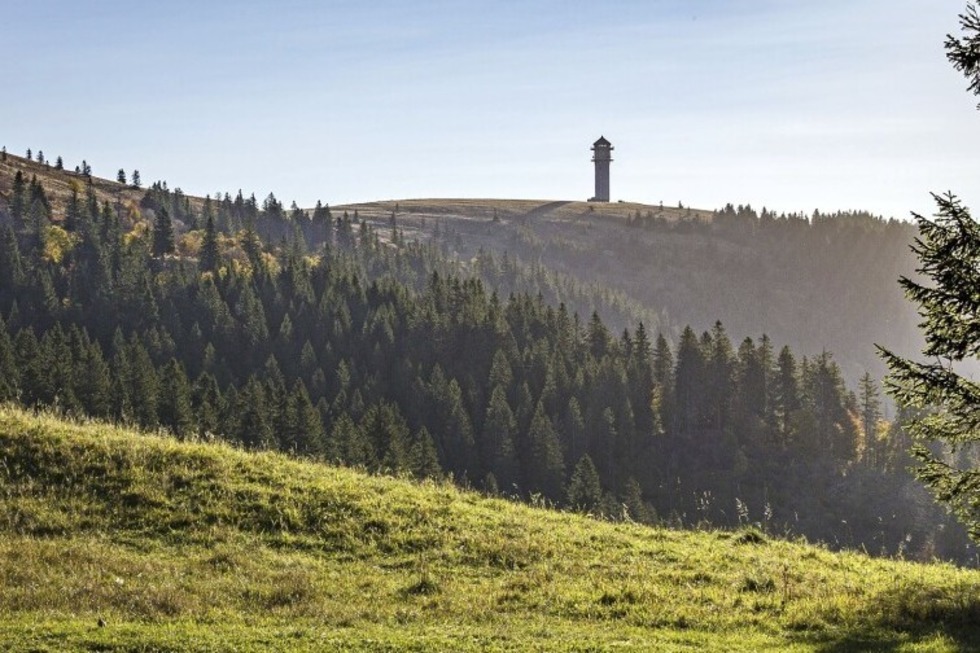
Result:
{"points": [[602, 141]]}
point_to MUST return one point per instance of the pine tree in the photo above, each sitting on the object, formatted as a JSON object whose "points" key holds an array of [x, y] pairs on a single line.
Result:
{"points": [[145, 389], [641, 384], [305, 428], [584, 490], [206, 399], [423, 459], [544, 469], [11, 265], [634, 506], [163, 234], [689, 384], [497, 439], [18, 198], [720, 373], [786, 396], [385, 427], [175, 406], [254, 426], [94, 381], [870, 406], [121, 176], [9, 374], [944, 420], [348, 444], [30, 364], [210, 256]]}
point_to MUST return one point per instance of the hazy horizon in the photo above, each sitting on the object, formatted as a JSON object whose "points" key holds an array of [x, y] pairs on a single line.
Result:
{"points": [[836, 106]]}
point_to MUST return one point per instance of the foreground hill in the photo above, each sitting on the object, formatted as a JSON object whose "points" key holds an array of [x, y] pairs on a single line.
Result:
{"points": [[201, 547]]}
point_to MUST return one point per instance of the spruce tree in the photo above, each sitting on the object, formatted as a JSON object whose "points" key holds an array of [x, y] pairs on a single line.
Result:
{"points": [[870, 406], [423, 459], [175, 406], [206, 399], [497, 439], [944, 406], [94, 381], [9, 374], [145, 392], [544, 468], [584, 490], [209, 247], [163, 233]]}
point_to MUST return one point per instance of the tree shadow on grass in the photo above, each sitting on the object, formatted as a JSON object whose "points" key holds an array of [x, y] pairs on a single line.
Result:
{"points": [[908, 614]]}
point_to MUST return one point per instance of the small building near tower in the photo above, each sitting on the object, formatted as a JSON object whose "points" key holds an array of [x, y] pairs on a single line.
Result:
{"points": [[602, 157]]}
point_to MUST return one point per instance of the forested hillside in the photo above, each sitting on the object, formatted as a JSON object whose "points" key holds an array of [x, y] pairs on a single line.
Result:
{"points": [[311, 333], [814, 282]]}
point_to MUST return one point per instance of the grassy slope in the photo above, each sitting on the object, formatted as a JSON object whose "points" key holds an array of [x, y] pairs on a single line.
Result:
{"points": [[205, 548]]}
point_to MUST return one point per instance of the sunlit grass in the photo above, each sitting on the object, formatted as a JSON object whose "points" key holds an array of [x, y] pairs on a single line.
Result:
{"points": [[201, 547]]}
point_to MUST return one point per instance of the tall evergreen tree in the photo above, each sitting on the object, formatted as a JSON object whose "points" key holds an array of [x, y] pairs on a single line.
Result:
{"points": [[544, 469], [9, 373], [870, 406], [175, 405], [209, 247], [423, 458], [584, 490], [163, 233]]}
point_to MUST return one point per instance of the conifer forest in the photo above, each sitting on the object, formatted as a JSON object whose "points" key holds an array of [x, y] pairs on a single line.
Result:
{"points": [[321, 334]]}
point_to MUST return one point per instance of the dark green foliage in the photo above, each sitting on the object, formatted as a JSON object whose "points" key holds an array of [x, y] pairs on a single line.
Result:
{"points": [[545, 468], [9, 372], [175, 409], [163, 233], [93, 378], [422, 457], [210, 255], [945, 402], [869, 405], [584, 490], [942, 408], [303, 431], [144, 383]]}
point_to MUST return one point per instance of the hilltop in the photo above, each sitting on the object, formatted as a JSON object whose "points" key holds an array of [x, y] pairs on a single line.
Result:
{"points": [[202, 547], [818, 283]]}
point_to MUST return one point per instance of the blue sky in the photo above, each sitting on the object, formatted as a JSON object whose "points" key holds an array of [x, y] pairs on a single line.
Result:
{"points": [[837, 104]]}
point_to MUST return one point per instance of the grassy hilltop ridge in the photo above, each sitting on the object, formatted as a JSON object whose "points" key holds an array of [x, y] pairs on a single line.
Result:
{"points": [[826, 286], [201, 547]]}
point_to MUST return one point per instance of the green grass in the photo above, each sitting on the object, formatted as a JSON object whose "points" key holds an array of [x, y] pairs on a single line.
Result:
{"points": [[201, 547]]}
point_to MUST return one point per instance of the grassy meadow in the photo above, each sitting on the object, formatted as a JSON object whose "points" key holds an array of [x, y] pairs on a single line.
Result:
{"points": [[112, 540]]}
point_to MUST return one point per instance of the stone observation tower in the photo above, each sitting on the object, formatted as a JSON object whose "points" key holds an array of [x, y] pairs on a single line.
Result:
{"points": [[602, 157]]}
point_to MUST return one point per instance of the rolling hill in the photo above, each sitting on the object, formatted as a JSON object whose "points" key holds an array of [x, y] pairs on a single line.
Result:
{"points": [[815, 283], [117, 541]]}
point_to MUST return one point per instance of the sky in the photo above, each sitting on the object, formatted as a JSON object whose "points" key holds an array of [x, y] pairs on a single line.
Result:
{"points": [[835, 104]]}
